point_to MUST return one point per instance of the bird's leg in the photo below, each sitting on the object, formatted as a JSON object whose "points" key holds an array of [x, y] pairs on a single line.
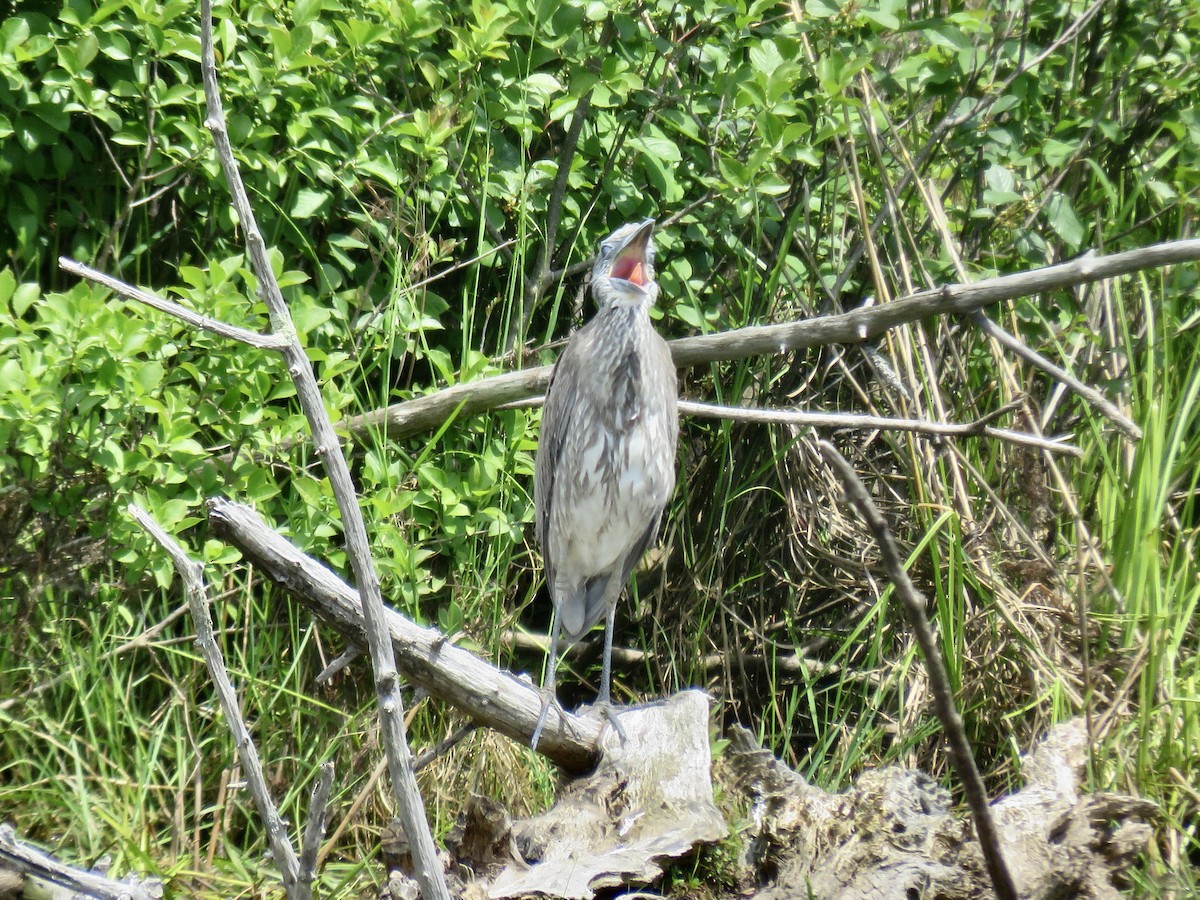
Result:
{"points": [[547, 683], [605, 695], [604, 698]]}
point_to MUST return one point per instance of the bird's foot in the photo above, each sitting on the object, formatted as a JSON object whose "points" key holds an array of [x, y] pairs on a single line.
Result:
{"points": [[547, 699], [606, 711]]}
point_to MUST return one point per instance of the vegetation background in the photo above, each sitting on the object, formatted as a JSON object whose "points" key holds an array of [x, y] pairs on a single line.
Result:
{"points": [[426, 172]]}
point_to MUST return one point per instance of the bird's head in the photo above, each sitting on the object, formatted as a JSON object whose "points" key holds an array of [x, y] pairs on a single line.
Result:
{"points": [[624, 271]]}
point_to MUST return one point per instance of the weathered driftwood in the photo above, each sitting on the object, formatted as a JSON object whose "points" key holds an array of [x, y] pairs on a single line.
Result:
{"points": [[892, 835], [649, 800], [19, 860], [489, 696], [651, 797]]}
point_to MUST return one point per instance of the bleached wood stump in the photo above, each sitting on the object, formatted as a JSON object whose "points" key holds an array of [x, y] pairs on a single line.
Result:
{"points": [[649, 800], [893, 835]]}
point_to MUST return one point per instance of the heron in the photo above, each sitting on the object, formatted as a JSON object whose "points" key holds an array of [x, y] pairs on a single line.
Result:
{"points": [[605, 467]]}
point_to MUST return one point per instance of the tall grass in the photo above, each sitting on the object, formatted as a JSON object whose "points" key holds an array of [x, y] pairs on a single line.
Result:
{"points": [[1146, 502]]}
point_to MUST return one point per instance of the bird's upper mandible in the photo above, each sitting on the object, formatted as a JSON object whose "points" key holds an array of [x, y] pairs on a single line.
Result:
{"points": [[623, 274]]}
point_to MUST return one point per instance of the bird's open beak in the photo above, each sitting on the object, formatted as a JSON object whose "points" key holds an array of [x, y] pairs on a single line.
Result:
{"points": [[630, 262]]}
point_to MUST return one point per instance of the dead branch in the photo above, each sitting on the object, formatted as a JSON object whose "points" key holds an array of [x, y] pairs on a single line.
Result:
{"points": [[387, 687], [430, 411], [793, 667], [191, 573], [858, 421], [943, 695], [882, 423], [314, 831], [443, 746], [485, 694], [195, 319], [29, 860], [1106, 407]]}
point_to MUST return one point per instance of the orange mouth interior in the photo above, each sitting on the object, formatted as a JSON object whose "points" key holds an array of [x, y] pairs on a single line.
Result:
{"points": [[631, 268]]}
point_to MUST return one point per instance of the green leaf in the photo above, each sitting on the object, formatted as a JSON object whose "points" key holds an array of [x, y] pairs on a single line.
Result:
{"points": [[8, 283], [24, 297], [765, 57], [542, 86], [1057, 152], [309, 202], [1061, 216]]}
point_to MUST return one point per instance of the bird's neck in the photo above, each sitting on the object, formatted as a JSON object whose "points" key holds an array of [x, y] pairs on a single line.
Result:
{"points": [[626, 318]]}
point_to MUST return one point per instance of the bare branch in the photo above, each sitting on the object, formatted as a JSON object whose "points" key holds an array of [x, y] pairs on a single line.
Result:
{"points": [[314, 831], [943, 695], [882, 423], [1013, 344], [423, 413], [863, 324], [443, 746], [858, 421], [22, 857], [191, 573], [195, 319], [348, 656], [488, 696], [411, 809]]}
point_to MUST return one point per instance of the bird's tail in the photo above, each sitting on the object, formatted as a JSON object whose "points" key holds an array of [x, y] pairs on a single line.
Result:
{"points": [[586, 608]]}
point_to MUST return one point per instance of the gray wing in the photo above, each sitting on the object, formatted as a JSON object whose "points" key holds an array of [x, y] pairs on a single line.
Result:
{"points": [[558, 415], [598, 588]]}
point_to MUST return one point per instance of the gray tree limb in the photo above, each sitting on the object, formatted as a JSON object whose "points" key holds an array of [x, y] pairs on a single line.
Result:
{"points": [[195, 319], [411, 809], [191, 573], [489, 696], [421, 414], [19, 856], [915, 605]]}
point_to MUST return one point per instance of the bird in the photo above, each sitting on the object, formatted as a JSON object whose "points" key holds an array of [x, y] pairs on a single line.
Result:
{"points": [[605, 466]]}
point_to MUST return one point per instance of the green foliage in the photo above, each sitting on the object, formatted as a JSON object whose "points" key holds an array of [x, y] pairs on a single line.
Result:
{"points": [[403, 159]]}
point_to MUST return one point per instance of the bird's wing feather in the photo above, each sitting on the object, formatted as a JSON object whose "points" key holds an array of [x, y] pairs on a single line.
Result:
{"points": [[559, 416]]}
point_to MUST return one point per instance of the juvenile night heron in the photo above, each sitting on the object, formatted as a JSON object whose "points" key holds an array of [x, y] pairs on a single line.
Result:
{"points": [[606, 456]]}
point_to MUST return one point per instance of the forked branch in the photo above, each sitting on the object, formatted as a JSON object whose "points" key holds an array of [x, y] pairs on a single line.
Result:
{"points": [[411, 809]]}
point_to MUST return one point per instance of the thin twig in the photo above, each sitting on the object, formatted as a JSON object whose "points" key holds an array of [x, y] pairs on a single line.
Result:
{"points": [[191, 573], [1106, 408], [347, 656], [318, 810], [195, 319], [881, 423], [425, 757], [411, 809], [858, 421], [915, 605]]}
